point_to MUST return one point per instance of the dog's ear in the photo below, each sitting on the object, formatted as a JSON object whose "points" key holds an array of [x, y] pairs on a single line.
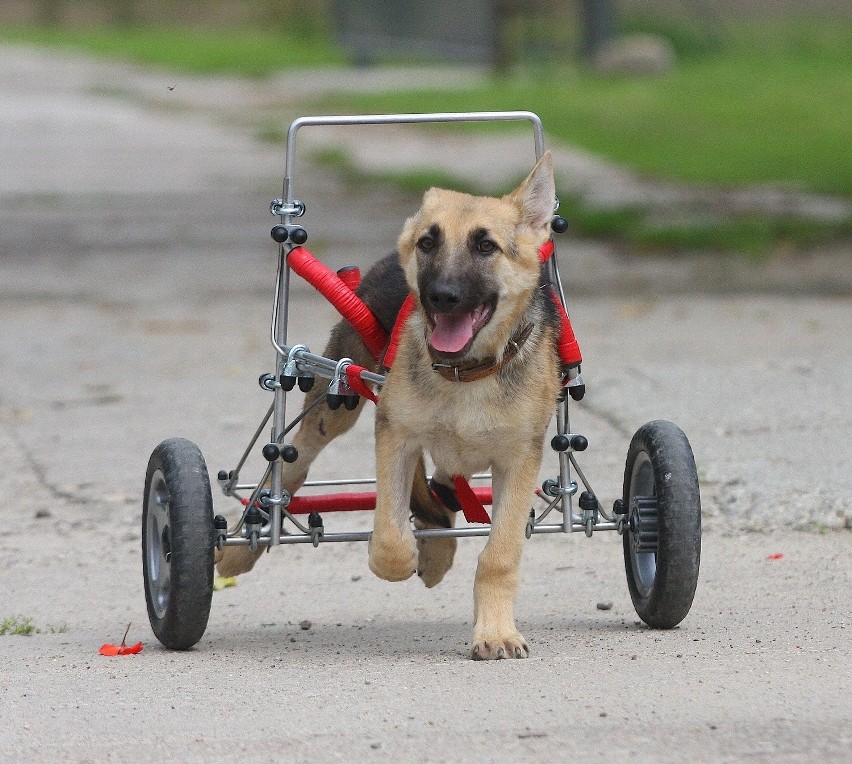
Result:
{"points": [[536, 195]]}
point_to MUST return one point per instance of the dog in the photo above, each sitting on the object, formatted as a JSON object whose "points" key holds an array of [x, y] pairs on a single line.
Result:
{"points": [[473, 385]]}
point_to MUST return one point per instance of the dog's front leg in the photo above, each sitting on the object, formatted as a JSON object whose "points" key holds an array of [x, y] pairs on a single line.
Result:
{"points": [[494, 633], [393, 550]]}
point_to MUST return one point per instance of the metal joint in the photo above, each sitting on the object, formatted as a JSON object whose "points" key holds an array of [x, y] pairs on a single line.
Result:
{"points": [[282, 501], [551, 487], [338, 384], [291, 367], [293, 208]]}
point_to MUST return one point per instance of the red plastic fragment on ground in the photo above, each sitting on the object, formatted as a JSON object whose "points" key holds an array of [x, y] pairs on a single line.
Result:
{"points": [[775, 556], [123, 648]]}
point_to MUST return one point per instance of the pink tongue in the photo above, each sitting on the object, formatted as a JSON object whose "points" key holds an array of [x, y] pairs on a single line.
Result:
{"points": [[451, 333]]}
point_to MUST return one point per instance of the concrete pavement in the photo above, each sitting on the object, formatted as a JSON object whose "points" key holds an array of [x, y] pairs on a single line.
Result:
{"points": [[136, 280]]}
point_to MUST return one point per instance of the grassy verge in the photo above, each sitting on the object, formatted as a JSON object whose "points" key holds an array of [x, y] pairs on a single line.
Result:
{"points": [[246, 52], [23, 626], [773, 106], [18, 626], [759, 103], [766, 103], [754, 236]]}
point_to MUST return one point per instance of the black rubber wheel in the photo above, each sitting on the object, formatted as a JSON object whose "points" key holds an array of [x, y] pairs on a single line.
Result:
{"points": [[177, 543], [662, 539]]}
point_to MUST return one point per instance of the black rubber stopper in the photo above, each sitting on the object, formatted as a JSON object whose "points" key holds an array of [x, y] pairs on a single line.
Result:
{"points": [[559, 224]]}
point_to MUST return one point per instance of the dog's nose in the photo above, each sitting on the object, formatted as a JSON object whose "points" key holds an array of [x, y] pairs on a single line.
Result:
{"points": [[443, 297]]}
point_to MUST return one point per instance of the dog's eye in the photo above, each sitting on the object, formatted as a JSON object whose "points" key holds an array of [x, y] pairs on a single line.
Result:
{"points": [[425, 244], [486, 247]]}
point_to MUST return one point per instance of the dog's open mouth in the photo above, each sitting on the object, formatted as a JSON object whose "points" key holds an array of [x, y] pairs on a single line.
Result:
{"points": [[453, 333]]}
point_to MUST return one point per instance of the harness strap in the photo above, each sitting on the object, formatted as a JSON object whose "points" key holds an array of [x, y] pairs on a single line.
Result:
{"points": [[401, 320], [357, 385], [546, 250], [462, 499]]}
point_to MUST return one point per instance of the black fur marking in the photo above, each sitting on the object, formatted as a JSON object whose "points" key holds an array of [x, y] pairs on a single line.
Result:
{"points": [[478, 238], [384, 289], [431, 241]]}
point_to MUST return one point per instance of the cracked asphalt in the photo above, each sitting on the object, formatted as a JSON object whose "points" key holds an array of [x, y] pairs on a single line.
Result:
{"points": [[136, 277]]}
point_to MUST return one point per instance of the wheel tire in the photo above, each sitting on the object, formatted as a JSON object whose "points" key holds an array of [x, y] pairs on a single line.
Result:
{"points": [[662, 538], [177, 543]]}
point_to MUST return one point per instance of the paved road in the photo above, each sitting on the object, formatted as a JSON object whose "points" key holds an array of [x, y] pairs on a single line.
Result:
{"points": [[135, 293]]}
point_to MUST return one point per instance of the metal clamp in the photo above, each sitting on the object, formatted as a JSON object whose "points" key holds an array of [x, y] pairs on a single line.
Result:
{"points": [[338, 384], [291, 367], [551, 487], [293, 208]]}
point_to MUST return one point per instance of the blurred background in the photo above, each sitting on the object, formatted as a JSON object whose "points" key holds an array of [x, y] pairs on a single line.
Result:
{"points": [[721, 94]]}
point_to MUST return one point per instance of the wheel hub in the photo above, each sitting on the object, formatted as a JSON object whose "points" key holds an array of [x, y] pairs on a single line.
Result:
{"points": [[643, 524]]}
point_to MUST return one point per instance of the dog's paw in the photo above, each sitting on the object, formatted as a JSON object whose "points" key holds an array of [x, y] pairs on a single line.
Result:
{"points": [[393, 559], [235, 560], [434, 559], [495, 648]]}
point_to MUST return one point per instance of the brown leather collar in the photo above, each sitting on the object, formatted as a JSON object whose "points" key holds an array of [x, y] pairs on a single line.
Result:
{"points": [[475, 371]]}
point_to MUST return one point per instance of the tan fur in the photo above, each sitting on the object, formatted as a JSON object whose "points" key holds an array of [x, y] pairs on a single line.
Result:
{"points": [[464, 427], [470, 427]]}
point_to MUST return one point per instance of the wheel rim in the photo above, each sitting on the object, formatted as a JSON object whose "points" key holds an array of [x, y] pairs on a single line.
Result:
{"points": [[642, 523], [158, 538]]}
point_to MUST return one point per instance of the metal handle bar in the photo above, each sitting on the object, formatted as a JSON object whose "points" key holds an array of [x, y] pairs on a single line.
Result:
{"points": [[404, 119], [328, 368]]}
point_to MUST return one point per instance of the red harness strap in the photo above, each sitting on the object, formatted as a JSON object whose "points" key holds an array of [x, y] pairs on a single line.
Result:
{"points": [[353, 379], [546, 250], [568, 347], [355, 311], [401, 319], [472, 507]]}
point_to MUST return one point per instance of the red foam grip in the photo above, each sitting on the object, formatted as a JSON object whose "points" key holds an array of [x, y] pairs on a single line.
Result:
{"points": [[345, 301]]}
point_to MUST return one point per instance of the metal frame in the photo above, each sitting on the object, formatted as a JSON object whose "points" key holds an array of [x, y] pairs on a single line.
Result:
{"points": [[274, 500]]}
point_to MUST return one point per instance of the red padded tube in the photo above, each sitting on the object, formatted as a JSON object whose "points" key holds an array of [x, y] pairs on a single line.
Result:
{"points": [[345, 301]]}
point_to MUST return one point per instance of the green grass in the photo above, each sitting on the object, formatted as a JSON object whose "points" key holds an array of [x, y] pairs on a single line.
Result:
{"points": [[18, 626], [760, 103], [752, 235], [772, 107], [247, 52]]}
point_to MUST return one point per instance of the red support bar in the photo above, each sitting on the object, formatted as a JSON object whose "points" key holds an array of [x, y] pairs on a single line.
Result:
{"points": [[355, 502]]}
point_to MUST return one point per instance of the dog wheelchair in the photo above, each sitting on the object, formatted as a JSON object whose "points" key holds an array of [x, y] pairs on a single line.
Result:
{"points": [[658, 514]]}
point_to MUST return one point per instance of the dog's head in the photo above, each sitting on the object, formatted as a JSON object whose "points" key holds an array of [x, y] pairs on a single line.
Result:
{"points": [[473, 262]]}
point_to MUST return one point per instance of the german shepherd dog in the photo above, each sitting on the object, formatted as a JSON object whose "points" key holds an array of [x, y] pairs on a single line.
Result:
{"points": [[473, 385]]}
